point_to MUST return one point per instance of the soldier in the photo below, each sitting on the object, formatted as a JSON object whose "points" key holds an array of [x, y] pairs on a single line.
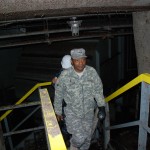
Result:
{"points": [[65, 63], [80, 87]]}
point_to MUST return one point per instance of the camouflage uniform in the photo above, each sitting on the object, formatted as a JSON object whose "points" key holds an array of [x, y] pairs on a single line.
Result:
{"points": [[80, 94]]}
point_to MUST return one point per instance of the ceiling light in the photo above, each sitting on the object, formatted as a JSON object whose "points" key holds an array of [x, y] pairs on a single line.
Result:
{"points": [[74, 24]]}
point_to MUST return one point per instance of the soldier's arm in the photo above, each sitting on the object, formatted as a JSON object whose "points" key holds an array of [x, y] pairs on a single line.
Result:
{"points": [[98, 87], [59, 96]]}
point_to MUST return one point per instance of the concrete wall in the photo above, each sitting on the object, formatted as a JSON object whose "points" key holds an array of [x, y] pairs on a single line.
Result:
{"points": [[141, 26]]}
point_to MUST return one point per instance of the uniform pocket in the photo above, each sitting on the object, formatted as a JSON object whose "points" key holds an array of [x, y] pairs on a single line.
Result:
{"points": [[72, 89], [89, 87]]}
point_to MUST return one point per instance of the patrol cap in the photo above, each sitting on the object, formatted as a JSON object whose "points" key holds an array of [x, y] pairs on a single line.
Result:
{"points": [[78, 53]]}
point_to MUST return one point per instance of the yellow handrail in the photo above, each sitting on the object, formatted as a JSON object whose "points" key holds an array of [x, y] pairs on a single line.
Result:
{"points": [[24, 97], [53, 133], [143, 77]]}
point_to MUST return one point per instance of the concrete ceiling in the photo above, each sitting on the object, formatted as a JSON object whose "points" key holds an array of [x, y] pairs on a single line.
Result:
{"points": [[23, 9]]}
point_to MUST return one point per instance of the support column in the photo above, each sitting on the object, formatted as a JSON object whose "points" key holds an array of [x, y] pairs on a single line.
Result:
{"points": [[141, 27]]}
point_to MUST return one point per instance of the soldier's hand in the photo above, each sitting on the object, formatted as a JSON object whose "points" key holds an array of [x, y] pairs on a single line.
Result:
{"points": [[54, 80], [102, 113], [59, 117]]}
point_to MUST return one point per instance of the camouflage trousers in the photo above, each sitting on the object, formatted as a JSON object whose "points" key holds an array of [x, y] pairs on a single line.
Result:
{"points": [[80, 128]]}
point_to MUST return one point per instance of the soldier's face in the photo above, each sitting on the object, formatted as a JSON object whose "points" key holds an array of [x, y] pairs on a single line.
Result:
{"points": [[79, 64]]}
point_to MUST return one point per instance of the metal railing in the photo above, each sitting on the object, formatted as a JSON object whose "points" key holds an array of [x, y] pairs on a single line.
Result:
{"points": [[144, 109], [54, 137], [144, 79], [24, 97]]}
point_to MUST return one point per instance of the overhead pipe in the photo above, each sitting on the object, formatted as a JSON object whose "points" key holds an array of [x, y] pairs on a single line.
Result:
{"points": [[64, 17], [49, 41], [62, 30]]}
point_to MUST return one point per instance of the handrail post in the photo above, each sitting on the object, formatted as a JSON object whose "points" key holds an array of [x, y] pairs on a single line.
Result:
{"points": [[7, 130], [2, 144], [144, 115]]}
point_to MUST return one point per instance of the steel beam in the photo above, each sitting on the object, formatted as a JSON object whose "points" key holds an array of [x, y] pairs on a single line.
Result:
{"points": [[23, 131], [19, 106], [26, 118], [129, 124]]}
